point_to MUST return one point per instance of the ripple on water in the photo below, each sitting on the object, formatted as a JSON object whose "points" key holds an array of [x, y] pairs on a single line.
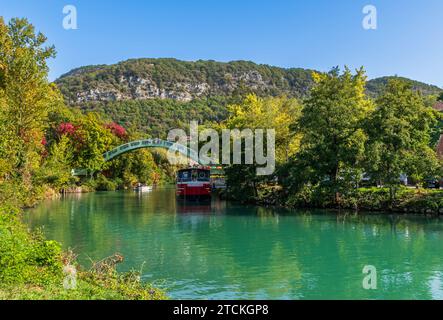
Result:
{"points": [[225, 251]]}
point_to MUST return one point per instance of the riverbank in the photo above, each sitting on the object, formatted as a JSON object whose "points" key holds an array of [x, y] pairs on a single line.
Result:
{"points": [[32, 267], [375, 199]]}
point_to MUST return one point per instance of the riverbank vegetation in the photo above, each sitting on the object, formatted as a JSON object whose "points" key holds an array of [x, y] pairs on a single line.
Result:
{"points": [[41, 140], [32, 267], [341, 139]]}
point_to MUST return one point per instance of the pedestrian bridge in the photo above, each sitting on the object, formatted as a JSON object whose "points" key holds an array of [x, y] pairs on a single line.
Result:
{"points": [[141, 144]]}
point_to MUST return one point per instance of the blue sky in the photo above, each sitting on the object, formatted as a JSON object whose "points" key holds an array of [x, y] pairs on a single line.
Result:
{"points": [[317, 34]]}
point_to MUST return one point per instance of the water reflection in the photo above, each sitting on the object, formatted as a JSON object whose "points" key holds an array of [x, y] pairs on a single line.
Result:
{"points": [[191, 208], [223, 250]]}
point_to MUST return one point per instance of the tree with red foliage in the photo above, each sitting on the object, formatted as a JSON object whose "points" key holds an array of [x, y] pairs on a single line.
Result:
{"points": [[117, 130], [66, 128], [72, 132]]}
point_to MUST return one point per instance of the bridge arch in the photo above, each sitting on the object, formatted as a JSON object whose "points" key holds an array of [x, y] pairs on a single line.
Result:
{"points": [[141, 144], [151, 143]]}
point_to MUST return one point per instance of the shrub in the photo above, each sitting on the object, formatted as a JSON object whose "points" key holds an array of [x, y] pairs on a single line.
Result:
{"points": [[31, 267], [26, 257], [104, 184], [311, 196]]}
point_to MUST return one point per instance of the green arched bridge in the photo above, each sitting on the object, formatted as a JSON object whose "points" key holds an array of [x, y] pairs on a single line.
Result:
{"points": [[140, 144]]}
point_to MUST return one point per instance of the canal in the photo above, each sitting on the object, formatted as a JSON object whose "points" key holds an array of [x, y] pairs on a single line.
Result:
{"points": [[222, 250]]}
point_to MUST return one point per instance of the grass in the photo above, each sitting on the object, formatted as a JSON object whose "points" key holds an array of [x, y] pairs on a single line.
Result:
{"points": [[88, 288], [33, 268]]}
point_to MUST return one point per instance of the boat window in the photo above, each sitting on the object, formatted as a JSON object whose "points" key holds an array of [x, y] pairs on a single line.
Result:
{"points": [[184, 176], [203, 176], [194, 175]]}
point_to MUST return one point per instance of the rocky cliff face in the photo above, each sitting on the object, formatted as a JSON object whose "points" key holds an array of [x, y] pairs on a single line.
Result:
{"points": [[134, 87], [138, 88]]}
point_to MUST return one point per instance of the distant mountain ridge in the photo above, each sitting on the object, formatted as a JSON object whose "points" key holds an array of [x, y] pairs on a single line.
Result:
{"points": [[184, 81]]}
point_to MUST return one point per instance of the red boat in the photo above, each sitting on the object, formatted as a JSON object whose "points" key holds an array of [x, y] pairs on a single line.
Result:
{"points": [[194, 184]]}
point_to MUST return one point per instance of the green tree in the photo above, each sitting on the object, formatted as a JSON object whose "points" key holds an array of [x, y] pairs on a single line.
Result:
{"points": [[93, 140], [56, 169], [276, 113], [26, 97], [134, 167], [332, 146], [399, 136]]}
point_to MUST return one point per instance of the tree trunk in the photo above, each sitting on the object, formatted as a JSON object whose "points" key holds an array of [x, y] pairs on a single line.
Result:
{"points": [[335, 185], [391, 196]]}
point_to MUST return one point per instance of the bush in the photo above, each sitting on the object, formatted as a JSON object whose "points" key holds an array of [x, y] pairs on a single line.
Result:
{"points": [[371, 199], [104, 184], [318, 196], [302, 198], [422, 201], [31, 267], [26, 257]]}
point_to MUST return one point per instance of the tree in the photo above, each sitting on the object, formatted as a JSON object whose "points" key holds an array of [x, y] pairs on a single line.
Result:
{"points": [[117, 130], [332, 145], [399, 136], [26, 97], [268, 113], [131, 168], [92, 140], [56, 169], [276, 113], [440, 97], [137, 166]]}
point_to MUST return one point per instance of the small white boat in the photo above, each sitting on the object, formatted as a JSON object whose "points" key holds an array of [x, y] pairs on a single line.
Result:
{"points": [[143, 188]]}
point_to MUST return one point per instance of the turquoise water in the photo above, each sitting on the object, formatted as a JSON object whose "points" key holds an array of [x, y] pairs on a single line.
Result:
{"points": [[226, 251]]}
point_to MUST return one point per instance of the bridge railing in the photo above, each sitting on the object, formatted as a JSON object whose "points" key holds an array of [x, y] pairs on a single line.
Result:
{"points": [[150, 143], [146, 143]]}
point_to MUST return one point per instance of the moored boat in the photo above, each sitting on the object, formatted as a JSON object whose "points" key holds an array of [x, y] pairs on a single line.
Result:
{"points": [[194, 184]]}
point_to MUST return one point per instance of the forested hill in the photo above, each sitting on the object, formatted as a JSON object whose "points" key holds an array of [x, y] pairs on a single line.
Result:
{"points": [[140, 79], [179, 80], [155, 95], [375, 86]]}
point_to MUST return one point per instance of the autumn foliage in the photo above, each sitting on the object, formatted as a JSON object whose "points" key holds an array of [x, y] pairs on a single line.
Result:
{"points": [[117, 130]]}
